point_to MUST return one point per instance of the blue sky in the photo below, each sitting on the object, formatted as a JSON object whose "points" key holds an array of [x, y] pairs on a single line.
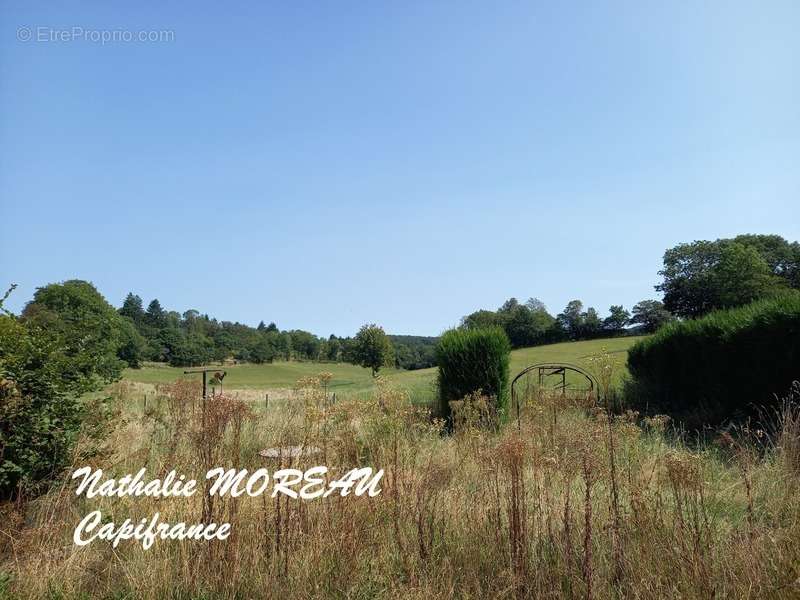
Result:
{"points": [[327, 164]]}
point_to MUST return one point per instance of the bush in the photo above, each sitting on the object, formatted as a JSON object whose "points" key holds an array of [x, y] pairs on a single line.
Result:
{"points": [[64, 346], [472, 360], [720, 368], [39, 419]]}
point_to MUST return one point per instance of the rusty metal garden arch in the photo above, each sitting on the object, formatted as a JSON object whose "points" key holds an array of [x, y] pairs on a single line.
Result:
{"points": [[546, 370]]}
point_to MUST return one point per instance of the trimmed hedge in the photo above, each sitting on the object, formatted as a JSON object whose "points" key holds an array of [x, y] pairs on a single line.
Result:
{"points": [[720, 368], [470, 360]]}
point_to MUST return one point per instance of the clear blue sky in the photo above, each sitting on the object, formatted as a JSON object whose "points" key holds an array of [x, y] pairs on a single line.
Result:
{"points": [[327, 164]]}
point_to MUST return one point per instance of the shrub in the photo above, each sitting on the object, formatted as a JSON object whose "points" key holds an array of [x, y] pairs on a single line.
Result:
{"points": [[39, 420], [472, 360], [722, 367], [63, 347]]}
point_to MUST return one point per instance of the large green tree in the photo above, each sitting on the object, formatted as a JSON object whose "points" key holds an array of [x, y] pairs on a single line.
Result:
{"points": [[90, 331], [528, 324], [571, 319], [333, 349], [591, 324], [372, 348], [133, 308], [650, 315], [617, 319], [155, 316], [742, 275], [705, 275], [132, 345], [782, 257], [304, 344], [264, 347], [525, 324], [482, 319]]}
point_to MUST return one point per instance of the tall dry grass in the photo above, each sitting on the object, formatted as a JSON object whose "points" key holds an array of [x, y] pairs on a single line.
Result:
{"points": [[576, 503]]}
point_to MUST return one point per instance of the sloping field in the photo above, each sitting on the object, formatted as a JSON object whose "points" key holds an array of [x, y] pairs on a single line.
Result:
{"points": [[348, 379]]}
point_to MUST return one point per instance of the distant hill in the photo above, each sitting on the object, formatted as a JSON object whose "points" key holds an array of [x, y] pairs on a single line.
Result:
{"points": [[413, 339], [414, 351]]}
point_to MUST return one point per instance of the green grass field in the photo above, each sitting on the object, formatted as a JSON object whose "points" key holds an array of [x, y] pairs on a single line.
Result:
{"points": [[349, 379]]}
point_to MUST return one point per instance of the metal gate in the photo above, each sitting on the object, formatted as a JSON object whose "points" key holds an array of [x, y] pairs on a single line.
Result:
{"points": [[548, 370]]}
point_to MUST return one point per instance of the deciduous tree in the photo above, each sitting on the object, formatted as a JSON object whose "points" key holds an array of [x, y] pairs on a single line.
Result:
{"points": [[704, 275], [617, 319], [372, 348], [650, 314], [89, 329]]}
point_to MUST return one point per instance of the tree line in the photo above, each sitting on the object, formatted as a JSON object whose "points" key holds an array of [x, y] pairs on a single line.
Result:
{"points": [[192, 338], [697, 278], [77, 312], [530, 323]]}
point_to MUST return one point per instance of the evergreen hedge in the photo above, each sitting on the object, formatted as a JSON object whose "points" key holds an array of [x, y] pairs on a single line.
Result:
{"points": [[470, 360], [723, 367]]}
